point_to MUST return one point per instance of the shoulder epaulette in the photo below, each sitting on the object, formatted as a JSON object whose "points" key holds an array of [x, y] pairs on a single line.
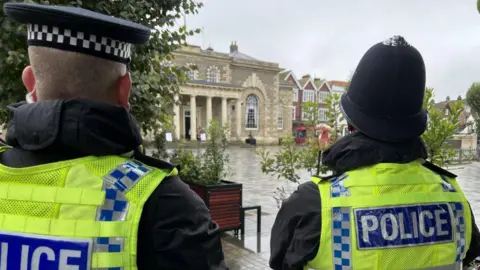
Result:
{"points": [[435, 168], [329, 177]]}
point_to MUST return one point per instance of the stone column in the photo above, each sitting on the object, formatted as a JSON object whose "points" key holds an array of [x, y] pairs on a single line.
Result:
{"points": [[239, 111], [193, 118], [209, 110], [224, 110], [176, 118]]}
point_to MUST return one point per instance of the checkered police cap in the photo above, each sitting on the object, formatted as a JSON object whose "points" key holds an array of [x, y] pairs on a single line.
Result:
{"points": [[78, 30]]}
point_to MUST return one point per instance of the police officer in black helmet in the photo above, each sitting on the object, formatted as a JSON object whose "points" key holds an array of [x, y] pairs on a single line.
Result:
{"points": [[385, 207], [75, 190]]}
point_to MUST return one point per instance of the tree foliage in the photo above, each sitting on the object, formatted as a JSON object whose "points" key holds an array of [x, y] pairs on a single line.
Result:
{"points": [[334, 116], [154, 83], [290, 158], [441, 128], [207, 167], [473, 100]]}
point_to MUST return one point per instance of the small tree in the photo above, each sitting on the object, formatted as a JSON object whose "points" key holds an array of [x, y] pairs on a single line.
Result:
{"points": [[289, 159], [209, 167], [215, 159], [441, 128], [473, 100], [312, 119], [334, 116]]}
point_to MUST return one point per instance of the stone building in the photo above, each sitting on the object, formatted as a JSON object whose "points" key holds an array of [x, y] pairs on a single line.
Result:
{"points": [[232, 88]]}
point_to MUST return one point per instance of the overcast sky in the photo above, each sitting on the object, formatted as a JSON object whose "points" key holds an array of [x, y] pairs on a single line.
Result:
{"points": [[328, 37]]}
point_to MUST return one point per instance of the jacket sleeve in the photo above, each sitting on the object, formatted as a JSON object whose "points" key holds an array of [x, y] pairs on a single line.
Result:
{"points": [[177, 232], [295, 237], [474, 248]]}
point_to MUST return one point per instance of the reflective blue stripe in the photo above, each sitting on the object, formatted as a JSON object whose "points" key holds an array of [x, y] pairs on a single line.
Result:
{"points": [[341, 241], [337, 188], [446, 185], [116, 183], [458, 213]]}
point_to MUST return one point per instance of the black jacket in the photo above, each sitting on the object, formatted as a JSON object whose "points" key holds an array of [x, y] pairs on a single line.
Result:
{"points": [[296, 231], [176, 230]]}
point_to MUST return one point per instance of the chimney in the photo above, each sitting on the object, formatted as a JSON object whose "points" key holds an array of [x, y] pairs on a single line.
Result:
{"points": [[233, 47]]}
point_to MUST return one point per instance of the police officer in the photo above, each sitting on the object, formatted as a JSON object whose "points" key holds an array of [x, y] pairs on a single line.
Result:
{"points": [[386, 207], [75, 192]]}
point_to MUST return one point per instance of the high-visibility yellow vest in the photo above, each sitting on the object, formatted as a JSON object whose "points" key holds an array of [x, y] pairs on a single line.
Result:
{"points": [[392, 216], [76, 214]]}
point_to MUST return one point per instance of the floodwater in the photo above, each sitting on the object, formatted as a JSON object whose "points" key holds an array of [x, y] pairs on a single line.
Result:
{"points": [[258, 189]]}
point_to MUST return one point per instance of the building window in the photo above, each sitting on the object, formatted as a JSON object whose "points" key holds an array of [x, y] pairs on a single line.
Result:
{"points": [[295, 95], [251, 112], [322, 96], [308, 95], [304, 116], [191, 74], [280, 117], [212, 74], [322, 114], [294, 113]]}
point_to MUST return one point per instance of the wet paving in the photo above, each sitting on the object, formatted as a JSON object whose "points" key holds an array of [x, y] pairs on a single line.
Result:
{"points": [[258, 190]]}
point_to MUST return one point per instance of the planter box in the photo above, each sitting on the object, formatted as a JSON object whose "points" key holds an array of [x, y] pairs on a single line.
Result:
{"points": [[224, 201]]}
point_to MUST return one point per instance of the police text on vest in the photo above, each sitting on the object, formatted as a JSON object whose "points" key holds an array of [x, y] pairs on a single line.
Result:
{"points": [[34, 252], [407, 225]]}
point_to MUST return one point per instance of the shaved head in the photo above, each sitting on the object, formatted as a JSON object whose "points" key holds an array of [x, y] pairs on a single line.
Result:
{"points": [[69, 75]]}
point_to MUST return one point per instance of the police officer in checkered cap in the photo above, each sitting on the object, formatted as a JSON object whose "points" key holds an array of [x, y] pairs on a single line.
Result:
{"points": [[75, 190]]}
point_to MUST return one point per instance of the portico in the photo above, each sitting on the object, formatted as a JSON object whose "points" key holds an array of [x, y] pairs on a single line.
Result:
{"points": [[200, 104]]}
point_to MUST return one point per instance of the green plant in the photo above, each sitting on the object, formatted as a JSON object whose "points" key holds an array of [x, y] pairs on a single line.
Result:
{"points": [[334, 116], [473, 100], [190, 166], [210, 166], [154, 81], [441, 128], [291, 158], [285, 163], [215, 158], [312, 118]]}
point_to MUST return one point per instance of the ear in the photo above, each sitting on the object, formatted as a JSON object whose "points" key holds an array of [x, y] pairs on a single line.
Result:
{"points": [[28, 79], [124, 84]]}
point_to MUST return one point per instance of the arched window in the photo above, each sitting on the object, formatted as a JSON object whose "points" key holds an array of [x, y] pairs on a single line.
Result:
{"points": [[212, 74], [251, 112], [191, 74], [191, 71]]}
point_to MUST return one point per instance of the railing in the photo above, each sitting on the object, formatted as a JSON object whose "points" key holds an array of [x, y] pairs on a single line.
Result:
{"points": [[465, 155]]}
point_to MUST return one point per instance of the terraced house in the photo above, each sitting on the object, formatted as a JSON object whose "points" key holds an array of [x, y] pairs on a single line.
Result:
{"points": [[308, 88], [232, 88]]}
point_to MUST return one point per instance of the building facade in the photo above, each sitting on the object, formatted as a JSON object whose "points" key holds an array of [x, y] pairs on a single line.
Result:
{"points": [[235, 89], [307, 89]]}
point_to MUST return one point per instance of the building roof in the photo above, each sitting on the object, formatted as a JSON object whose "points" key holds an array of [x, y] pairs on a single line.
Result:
{"points": [[443, 105], [239, 55], [303, 81], [338, 83], [283, 75], [318, 82]]}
